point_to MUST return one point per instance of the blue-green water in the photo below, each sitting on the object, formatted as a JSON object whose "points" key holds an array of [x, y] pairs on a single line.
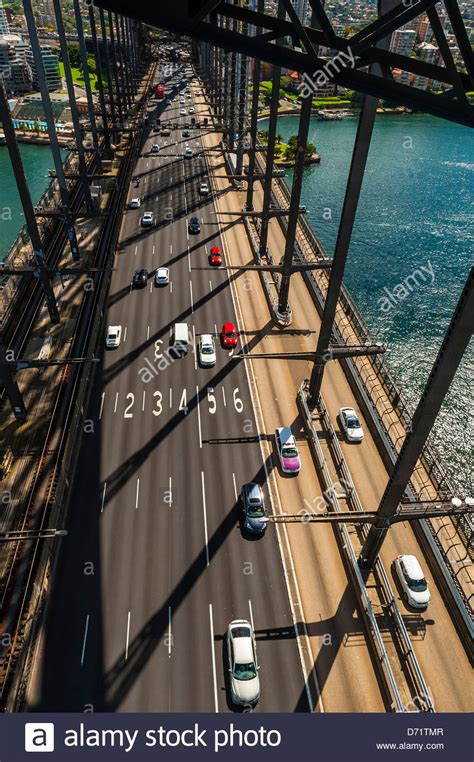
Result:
{"points": [[416, 211], [37, 160]]}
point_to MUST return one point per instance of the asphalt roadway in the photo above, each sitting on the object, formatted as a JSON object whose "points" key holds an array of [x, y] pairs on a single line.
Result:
{"points": [[155, 564]]}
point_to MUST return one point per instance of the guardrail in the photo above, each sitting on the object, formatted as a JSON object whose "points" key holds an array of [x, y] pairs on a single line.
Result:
{"points": [[421, 688]]}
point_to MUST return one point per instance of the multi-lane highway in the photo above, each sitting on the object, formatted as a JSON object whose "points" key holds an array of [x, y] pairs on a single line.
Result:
{"points": [[156, 565]]}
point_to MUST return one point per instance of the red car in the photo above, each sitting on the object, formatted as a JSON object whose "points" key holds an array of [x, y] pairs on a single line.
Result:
{"points": [[229, 336], [215, 257]]}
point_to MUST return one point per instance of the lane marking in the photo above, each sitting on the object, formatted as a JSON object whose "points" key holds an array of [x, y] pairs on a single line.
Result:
{"points": [[84, 640], [153, 248], [116, 401], [235, 488], [151, 286], [171, 397], [223, 396], [169, 632], [251, 615], [199, 418], [189, 260], [128, 636], [213, 655], [171, 286], [148, 333], [143, 400], [137, 492], [210, 285], [101, 405], [191, 295], [136, 249], [195, 348], [205, 516], [125, 335], [103, 497]]}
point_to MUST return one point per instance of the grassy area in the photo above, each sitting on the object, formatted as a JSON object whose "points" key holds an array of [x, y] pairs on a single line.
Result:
{"points": [[78, 76]]}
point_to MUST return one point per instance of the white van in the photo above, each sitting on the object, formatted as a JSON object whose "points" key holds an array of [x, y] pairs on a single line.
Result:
{"points": [[180, 338]]}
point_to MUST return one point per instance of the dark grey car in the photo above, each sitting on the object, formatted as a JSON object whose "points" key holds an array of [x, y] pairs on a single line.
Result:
{"points": [[253, 507]]}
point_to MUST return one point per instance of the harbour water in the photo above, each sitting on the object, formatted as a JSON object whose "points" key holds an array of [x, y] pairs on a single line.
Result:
{"points": [[411, 250], [37, 161]]}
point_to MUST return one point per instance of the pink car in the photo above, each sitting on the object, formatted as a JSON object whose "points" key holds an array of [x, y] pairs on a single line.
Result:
{"points": [[287, 451]]}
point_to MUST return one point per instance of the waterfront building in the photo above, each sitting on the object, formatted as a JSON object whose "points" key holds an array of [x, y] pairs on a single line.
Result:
{"points": [[51, 68]]}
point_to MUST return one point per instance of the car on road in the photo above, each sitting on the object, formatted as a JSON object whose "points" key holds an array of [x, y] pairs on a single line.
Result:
{"points": [[148, 219], [194, 226], [243, 667], [135, 203], [162, 276], [188, 152], [413, 582], [204, 189], [168, 101], [207, 350], [229, 336], [350, 424], [140, 278], [155, 148], [215, 256], [191, 110], [183, 112], [113, 336], [253, 509], [287, 450], [186, 134]]}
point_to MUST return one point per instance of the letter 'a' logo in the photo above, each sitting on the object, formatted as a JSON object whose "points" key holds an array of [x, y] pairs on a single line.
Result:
{"points": [[39, 736]]}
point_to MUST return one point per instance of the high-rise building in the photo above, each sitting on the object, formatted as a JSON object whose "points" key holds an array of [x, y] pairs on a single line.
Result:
{"points": [[4, 25], [430, 54], [14, 67], [402, 41], [301, 8], [51, 68]]}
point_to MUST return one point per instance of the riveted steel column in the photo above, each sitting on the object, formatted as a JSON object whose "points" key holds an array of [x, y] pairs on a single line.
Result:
{"points": [[113, 56], [126, 62], [444, 369], [87, 82], [254, 119], [27, 205], [53, 138], [232, 61], [121, 64], [100, 84], [349, 211], [241, 121], [227, 88], [108, 73], [73, 106], [305, 116]]}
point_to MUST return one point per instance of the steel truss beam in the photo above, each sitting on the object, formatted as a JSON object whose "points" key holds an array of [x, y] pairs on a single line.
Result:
{"points": [[178, 17]]}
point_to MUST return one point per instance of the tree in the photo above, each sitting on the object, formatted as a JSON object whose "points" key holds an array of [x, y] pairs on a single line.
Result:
{"points": [[290, 152], [74, 53]]}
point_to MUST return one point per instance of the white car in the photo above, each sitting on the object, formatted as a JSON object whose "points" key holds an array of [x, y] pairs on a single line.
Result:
{"points": [[183, 112], [191, 110], [148, 219], [135, 203], [188, 153], [114, 334], [204, 189], [351, 425], [243, 667], [162, 276], [207, 350], [155, 148], [413, 582]]}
